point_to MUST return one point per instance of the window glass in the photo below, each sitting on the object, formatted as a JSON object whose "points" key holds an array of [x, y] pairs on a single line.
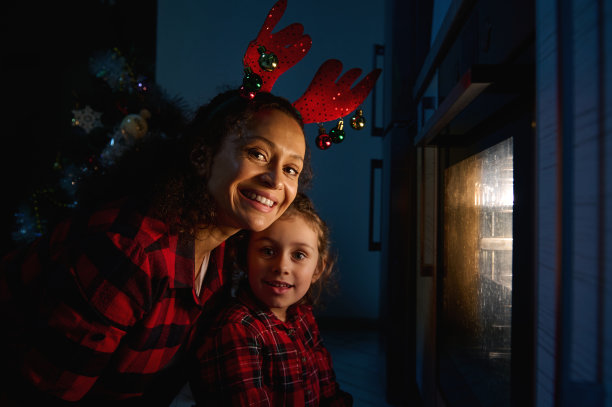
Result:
{"points": [[477, 276]]}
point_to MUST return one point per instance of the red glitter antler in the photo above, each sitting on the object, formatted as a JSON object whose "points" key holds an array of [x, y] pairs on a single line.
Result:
{"points": [[290, 45], [325, 99]]}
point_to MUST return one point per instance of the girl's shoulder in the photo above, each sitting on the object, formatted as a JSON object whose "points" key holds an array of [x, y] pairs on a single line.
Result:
{"points": [[236, 319]]}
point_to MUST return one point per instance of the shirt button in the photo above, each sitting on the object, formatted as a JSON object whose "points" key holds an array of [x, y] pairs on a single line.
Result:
{"points": [[303, 359], [291, 332]]}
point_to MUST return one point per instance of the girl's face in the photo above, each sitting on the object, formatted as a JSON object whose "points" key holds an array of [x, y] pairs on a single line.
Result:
{"points": [[254, 178], [282, 263]]}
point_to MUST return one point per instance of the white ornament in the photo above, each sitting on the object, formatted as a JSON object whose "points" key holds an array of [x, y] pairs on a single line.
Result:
{"points": [[87, 119]]}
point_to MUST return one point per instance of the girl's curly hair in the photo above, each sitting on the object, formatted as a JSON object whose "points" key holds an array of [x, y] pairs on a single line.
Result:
{"points": [[173, 172]]}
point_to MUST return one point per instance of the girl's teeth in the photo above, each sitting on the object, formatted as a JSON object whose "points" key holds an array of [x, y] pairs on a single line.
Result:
{"points": [[261, 199], [280, 284]]}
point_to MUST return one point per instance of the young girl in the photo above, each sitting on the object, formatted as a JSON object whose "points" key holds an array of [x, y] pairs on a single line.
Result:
{"points": [[265, 348]]}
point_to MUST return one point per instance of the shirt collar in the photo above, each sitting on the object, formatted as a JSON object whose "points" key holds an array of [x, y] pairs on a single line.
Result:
{"points": [[184, 272], [258, 308]]}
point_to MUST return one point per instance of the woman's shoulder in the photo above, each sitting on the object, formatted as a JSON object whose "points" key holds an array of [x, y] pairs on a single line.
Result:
{"points": [[127, 222], [128, 216], [123, 230]]}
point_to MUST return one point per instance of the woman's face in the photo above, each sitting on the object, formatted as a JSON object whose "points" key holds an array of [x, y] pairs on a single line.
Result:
{"points": [[282, 263], [254, 178]]}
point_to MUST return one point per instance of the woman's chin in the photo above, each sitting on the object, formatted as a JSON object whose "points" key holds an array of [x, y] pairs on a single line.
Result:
{"points": [[259, 225]]}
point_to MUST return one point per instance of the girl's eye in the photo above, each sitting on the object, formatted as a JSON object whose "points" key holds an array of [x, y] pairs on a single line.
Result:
{"points": [[266, 251], [299, 255]]}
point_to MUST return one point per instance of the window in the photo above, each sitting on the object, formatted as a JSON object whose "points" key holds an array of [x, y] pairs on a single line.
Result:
{"points": [[476, 284]]}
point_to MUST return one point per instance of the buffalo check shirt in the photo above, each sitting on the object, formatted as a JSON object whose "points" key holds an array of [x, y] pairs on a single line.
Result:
{"points": [[251, 358], [100, 307]]}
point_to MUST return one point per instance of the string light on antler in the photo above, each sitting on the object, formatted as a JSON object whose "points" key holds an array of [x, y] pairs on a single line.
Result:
{"points": [[251, 83], [337, 133], [323, 140], [268, 61], [327, 98], [358, 121]]}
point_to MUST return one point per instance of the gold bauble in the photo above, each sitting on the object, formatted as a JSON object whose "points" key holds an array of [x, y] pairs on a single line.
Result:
{"points": [[134, 126]]}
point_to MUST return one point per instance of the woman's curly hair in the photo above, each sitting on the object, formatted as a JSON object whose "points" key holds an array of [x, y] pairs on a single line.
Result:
{"points": [[173, 172]]}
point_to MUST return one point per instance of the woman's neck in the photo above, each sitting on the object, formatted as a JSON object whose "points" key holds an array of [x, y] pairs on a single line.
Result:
{"points": [[207, 239]]}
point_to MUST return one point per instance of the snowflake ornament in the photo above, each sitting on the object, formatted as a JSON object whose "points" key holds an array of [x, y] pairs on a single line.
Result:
{"points": [[87, 119]]}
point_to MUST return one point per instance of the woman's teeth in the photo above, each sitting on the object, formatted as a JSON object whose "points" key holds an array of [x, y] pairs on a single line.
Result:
{"points": [[260, 199]]}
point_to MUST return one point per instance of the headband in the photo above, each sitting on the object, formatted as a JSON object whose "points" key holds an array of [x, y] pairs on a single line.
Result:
{"points": [[327, 98]]}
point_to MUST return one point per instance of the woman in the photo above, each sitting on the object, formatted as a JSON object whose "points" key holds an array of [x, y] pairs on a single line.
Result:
{"points": [[103, 306]]}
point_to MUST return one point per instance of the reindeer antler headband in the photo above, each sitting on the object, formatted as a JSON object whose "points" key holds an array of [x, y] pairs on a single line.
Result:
{"points": [[270, 55]]}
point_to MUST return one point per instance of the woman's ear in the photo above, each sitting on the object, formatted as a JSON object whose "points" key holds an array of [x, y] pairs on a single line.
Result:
{"points": [[199, 159]]}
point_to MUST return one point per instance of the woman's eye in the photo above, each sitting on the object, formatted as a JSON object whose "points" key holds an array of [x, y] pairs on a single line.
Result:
{"points": [[257, 154], [291, 171]]}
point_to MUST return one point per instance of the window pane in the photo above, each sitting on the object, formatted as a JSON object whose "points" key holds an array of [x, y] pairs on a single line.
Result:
{"points": [[477, 280]]}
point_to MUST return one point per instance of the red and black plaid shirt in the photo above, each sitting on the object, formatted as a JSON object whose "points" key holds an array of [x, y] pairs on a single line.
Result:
{"points": [[99, 308], [251, 358]]}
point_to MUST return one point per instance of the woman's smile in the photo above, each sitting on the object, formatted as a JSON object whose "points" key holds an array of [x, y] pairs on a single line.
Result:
{"points": [[261, 199]]}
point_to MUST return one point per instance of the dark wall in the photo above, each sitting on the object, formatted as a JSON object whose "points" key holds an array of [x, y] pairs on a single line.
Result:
{"points": [[407, 43]]}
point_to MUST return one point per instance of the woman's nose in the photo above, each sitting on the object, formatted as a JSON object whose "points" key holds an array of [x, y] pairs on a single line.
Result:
{"points": [[272, 178]]}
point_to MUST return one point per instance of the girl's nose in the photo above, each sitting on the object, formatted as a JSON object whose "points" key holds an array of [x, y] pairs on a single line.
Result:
{"points": [[282, 265]]}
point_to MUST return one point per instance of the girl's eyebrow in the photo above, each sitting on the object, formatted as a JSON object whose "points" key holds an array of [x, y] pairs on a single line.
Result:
{"points": [[261, 238], [271, 145], [267, 239]]}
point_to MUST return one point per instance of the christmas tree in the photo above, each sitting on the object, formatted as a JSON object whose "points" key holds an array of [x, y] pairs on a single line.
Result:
{"points": [[46, 55], [118, 111]]}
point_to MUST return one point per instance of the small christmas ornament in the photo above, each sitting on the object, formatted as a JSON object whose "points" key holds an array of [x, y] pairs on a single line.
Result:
{"points": [[143, 84], [134, 126], [358, 121], [87, 119], [268, 61], [251, 83], [323, 140], [113, 68], [337, 134]]}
